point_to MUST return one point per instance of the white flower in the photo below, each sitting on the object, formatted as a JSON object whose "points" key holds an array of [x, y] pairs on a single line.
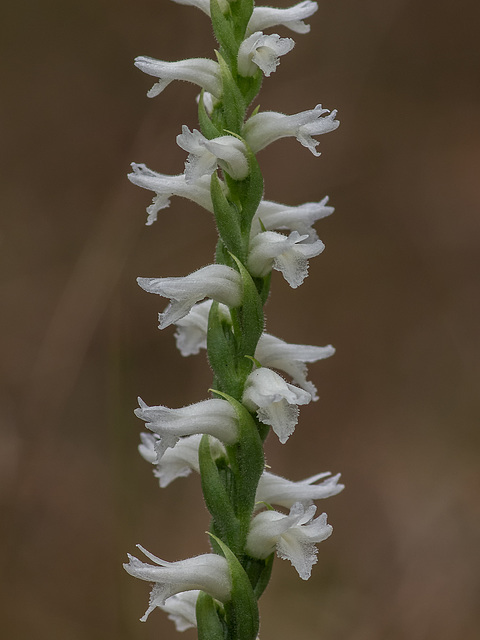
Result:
{"points": [[204, 155], [264, 128], [166, 186], [259, 51], [191, 333], [266, 17], [274, 400], [274, 216], [208, 572], [293, 536], [291, 358], [274, 489], [180, 460], [181, 609], [200, 71], [292, 18], [286, 254], [216, 281], [215, 416]]}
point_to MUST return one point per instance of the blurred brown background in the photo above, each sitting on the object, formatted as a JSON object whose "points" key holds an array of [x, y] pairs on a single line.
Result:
{"points": [[396, 292]]}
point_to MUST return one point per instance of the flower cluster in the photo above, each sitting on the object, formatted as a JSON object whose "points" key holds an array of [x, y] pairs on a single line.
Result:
{"points": [[219, 308]]}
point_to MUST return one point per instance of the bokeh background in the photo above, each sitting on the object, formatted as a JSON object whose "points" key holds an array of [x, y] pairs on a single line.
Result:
{"points": [[396, 291]]}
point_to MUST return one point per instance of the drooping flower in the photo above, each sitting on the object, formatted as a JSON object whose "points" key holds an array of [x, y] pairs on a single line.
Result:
{"points": [[181, 609], [292, 358], [214, 416], [263, 52], [273, 489], [293, 536], [274, 400], [273, 216], [267, 126], [291, 17], [200, 71], [265, 17], [215, 281], [178, 461], [204, 155], [286, 254], [208, 572], [166, 186]]}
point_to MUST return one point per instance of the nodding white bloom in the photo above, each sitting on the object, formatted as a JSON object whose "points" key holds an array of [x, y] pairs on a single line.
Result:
{"points": [[166, 186], [263, 52], [292, 17], [208, 572], [274, 400], [216, 281], [285, 254], [191, 333], [180, 460], [293, 536], [181, 609], [274, 489], [264, 128], [277, 354], [216, 417], [274, 216], [199, 71], [204, 155], [266, 17]]}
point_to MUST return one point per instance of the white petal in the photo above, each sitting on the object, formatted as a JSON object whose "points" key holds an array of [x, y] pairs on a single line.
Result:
{"points": [[181, 609], [262, 51], [215, 281], [292, 17], [215, 417], [274, 489], [200, 71]]}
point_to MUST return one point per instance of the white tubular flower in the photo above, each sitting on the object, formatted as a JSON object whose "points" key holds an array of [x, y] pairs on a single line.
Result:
{"points": [[191, 333], [227, 151], [216, 281], [179, 461], [292, 18], [263, 52], [181, 609], [166, 186], [215, 416], [274, 216], [274, 400], [264, 128], [293, 536], [277, 354], [208, 572], [199, 71], [270, 249], [203, 5], [274, 489]]}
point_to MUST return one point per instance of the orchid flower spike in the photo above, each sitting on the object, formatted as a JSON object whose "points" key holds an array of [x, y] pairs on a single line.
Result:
{"points": [[291, 358], [293, 536], [178, 461], [208, 572], [289, 255], [166, 186], [273, 489], [263, 52], [274, 400], [200, 71], [216, 281], [181, 609], [215, 417], [273, 216], [267, 126], [204, 155], [292, 17]]}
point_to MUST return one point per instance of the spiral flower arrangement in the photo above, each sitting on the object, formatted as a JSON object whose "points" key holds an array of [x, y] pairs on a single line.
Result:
{"points": [[219, 308]]}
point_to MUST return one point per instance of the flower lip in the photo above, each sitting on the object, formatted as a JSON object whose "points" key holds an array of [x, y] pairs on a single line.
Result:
{"points": [[199, 71]]}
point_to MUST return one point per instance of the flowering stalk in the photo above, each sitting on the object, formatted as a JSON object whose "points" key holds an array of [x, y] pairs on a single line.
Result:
{"points": [[219, 308]]}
